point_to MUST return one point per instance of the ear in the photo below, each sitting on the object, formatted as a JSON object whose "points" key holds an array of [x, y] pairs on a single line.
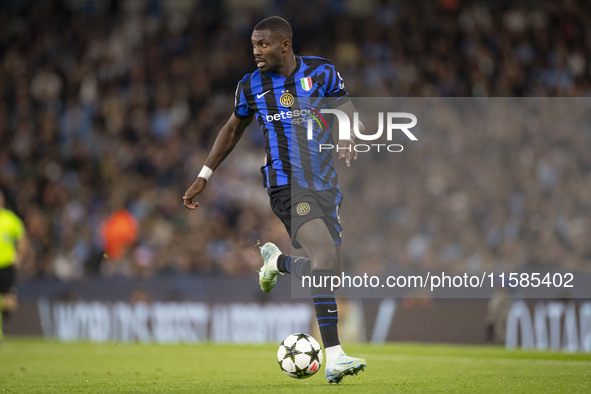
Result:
{"points": [[285, 45]]}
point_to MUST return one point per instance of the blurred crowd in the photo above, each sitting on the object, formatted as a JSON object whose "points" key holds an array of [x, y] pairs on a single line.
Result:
{"points": [[108, 109], [495, 184]]}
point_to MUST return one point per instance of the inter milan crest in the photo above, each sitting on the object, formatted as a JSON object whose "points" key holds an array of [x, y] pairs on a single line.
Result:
{"points": [[286, 99], [303, 208]]}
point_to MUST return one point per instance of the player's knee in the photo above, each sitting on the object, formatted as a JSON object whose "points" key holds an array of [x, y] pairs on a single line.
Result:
{"points": [[324, 259]]}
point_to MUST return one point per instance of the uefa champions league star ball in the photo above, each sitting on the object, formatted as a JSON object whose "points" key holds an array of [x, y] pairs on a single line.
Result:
{"points": [[299, 356]]}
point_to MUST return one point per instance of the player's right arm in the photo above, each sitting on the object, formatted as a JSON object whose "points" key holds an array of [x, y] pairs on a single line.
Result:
{"points": [[225, 142]]}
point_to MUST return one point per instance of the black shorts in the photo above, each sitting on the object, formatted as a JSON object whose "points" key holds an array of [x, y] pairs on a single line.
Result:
{"points": [[296, 205], [6, 279]]}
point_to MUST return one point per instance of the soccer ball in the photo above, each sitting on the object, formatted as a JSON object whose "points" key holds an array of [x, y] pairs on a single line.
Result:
{"points": [[299, 356]]}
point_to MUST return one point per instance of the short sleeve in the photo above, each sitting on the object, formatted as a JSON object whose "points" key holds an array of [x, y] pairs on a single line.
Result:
{"points": [[335, 84], [241, 108], [16, 226]]}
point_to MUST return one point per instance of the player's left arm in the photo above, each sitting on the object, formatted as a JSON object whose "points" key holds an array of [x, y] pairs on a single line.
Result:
{"points": [[347, 147], [336, 89]]}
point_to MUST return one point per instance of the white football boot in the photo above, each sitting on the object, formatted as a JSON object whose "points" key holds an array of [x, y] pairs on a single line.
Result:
{"points": [[268, 272], [343, 366]]}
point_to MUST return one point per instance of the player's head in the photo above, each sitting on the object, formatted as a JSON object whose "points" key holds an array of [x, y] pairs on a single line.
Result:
{"points": [[271, 41]]}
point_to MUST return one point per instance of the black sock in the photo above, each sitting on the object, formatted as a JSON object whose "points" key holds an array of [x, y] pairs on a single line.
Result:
{"points": [[299, 266], [325, 305]]}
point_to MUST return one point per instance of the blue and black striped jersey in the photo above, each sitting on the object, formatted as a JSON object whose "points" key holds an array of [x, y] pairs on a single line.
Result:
{"points": [[292, 158]]}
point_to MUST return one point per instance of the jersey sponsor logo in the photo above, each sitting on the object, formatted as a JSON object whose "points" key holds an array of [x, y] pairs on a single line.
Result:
{"points": [[262, 94], [300, 117], [303, 208], [316, 117], [297, 116], [286, 99], [306, 83]]}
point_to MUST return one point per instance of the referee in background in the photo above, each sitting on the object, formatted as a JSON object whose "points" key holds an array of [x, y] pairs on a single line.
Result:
{"points": [[12, 248]]}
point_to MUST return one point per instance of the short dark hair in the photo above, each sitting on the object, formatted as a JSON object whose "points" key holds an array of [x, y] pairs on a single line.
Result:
{"points": [[276, 25]]}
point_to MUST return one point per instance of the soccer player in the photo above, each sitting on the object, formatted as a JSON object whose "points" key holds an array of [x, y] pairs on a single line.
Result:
{"points": [[12, 246], [301, 179]]}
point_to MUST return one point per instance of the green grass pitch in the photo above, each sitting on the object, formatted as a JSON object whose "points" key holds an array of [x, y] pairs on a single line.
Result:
{"points": [[38, 366]]}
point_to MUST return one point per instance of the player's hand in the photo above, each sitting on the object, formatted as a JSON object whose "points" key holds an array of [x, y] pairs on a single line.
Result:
{"points": [[347, 151], [196, 188], [10, 302]]}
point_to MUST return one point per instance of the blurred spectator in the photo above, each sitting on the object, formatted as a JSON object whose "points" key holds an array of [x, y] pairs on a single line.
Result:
{"points": [[496, 317], [118, 233]]}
